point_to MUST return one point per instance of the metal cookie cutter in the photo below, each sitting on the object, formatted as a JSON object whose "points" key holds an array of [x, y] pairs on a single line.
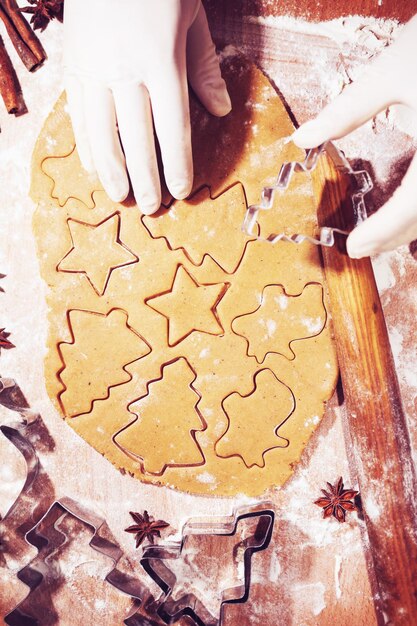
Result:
{"points": [[156, 561], [30, 520], [325, 235], [38, 574], [13, 399]]}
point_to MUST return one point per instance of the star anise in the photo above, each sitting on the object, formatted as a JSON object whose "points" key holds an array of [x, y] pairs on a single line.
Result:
{"points": [[337, 501], [44, 11], [146, 527], [4, 342], [2, 276]]}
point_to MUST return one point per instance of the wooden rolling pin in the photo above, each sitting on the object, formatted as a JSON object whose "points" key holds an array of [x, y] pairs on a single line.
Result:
{"points": [[379, 445]]}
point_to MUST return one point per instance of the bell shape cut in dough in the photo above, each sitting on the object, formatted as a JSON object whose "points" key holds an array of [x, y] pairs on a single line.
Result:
{"points": [[281, 319], [269, 405]]}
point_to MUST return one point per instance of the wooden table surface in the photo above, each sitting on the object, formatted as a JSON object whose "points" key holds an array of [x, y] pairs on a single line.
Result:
{"points": [[401, 10]]}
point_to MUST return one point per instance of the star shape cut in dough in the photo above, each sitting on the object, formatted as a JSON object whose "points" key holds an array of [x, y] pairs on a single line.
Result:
{"points": [[96, 251], [189, 306]]}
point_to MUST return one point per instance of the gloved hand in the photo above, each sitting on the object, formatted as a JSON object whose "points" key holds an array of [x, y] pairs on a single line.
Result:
{"points": [[126, 62], [390, 79]]}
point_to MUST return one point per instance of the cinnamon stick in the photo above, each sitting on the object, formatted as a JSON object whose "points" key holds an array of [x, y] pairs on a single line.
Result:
{"points": [[9, 84], [27, 45]]}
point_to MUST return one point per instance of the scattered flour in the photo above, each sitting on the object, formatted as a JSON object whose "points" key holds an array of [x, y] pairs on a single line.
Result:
{"points": [[344, 30], [337, 567], [271, 326], [372, 508], [282, 301], [206, 478], [313, 325], [313, 594]]}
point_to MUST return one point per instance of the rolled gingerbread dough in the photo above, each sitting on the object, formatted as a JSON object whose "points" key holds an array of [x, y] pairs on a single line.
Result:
{"points": [[187, 354]]}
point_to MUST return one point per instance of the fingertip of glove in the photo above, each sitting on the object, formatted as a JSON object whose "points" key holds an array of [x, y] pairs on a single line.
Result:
{"points": [[220, 103], [117, 196], [357, 248], [309, 135], [149, 209], [180, 189]]}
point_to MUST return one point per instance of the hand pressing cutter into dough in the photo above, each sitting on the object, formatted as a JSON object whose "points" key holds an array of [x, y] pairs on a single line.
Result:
{"points": [[325, 236]]}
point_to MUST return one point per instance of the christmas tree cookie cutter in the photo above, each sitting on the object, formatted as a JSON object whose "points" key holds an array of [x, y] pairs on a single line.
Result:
{"points": [[325, 235], [36, 507], [156, 558], [47, 538]]}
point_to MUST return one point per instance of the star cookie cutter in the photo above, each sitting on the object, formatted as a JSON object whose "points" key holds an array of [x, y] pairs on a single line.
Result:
{"points": [[155, 559], [325, 235]]}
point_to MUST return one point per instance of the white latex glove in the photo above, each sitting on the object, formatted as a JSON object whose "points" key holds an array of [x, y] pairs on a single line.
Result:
{"points": [[126, 62], [390, 79]]}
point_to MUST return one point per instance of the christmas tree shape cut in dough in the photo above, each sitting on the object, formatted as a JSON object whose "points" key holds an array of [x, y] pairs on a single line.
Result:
{"points": [[254, 420], [89, 241], [221, 218], [168, 418], [91, 368], [189, 307], [281, 319]]}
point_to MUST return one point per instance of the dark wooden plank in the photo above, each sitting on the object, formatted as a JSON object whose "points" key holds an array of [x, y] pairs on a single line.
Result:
{"points": [[380, 446], [311, 9]]}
